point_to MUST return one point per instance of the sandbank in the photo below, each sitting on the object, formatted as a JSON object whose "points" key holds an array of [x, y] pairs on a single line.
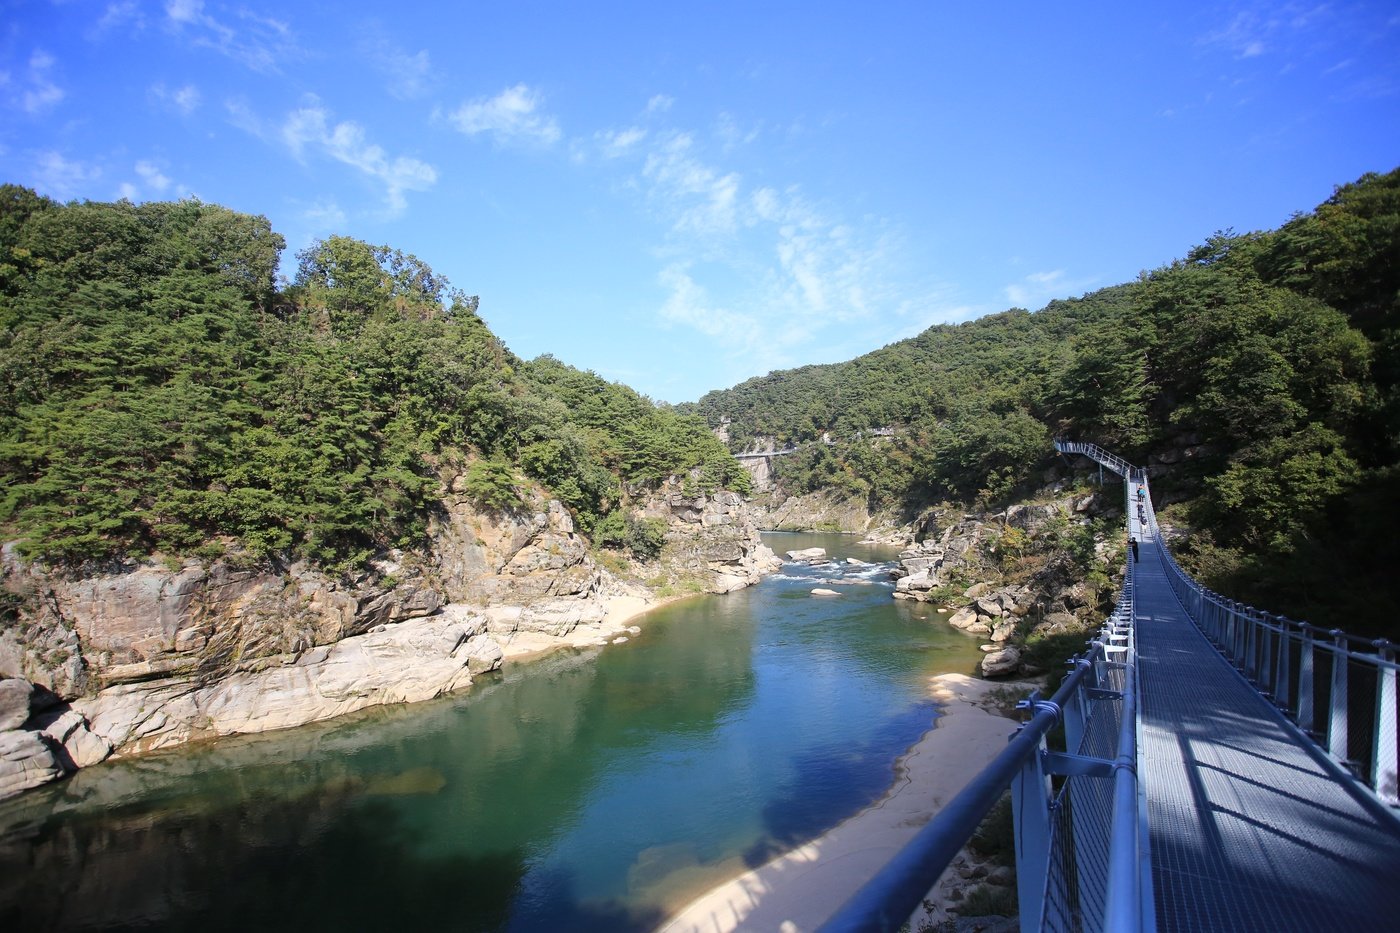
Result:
{"points": [[798, 891]]}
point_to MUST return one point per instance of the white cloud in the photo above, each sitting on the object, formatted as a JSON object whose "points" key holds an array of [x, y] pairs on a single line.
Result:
{"points": [[617, 143], [660, 103], [700, 199], [185, 11], [150, 183], [689, 304], [259, 42], [38, 92], [1245, 35], [1038, 288], [118, 14], [730, 134], [509, 117], [324, 215], [60, 178], [309, 129], [153, 177], [409, 74], [185, 100], [764, 272]]}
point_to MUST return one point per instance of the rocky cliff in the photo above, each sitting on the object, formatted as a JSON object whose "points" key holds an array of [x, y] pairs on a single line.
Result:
{"points": [[148, 654]]}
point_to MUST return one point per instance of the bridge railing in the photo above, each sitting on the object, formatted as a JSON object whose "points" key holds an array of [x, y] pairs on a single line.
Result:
{"points": [[1080, 861], [1337, 688]]}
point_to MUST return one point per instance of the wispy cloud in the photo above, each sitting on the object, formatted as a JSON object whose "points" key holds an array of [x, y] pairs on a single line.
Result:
{"points": [[1038, 288], [410, 74], [731, 135], [310, 130], [63, 178], [699, 198], [151, 182], [184, 100], [614, 144], [115, 15], [323, 215], [258, 42], [34, 90], [1246, 34], [764, 272], [688, 303], [512, 117]]}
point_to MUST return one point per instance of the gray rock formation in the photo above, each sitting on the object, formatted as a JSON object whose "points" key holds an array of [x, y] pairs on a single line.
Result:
{"points": [[14, 702], [25, 761], [151, 655], [403, 663], [1001, 663]]}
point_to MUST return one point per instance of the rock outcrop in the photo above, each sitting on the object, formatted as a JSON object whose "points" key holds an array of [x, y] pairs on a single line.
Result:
{"points": [[815, 512], [712, 541], [144, 655], [1048, 596]]}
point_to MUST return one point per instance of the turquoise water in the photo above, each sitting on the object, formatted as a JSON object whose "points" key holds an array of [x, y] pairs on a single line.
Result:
{"points": [[589, 790]]}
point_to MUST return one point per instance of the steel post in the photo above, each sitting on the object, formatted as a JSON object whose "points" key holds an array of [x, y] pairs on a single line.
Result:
{"points": [[1337, 719]]}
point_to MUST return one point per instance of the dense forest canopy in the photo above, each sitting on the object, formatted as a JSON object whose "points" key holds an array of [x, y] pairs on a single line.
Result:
{"points": [[1273, 358], [160, 393], [164, 393]]}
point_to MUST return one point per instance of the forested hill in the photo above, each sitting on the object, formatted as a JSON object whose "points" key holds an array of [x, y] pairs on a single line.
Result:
{"points": [[161, 394], [1273, 358]]}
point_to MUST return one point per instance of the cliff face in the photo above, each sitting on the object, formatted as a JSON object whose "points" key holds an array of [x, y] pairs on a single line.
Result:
{"points": [[146, 655]]}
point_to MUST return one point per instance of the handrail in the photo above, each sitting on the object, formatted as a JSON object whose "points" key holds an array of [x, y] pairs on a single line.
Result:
{"points": [[887, 900], [1096, 703], [1299, 667]]}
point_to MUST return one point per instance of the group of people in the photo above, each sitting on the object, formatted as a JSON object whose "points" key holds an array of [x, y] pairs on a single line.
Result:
{"points": [[1142, 519]]}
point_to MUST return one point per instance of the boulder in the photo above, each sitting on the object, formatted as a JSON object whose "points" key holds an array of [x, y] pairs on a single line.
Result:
{"points": [[976, 590], [14, 702], [1001, 663], [963, 618], [724, 582], [918, 583], [1003, 629], [809, 555], [819, 591], [988, 606], [25, 762], [68, 729], [914, 565]]}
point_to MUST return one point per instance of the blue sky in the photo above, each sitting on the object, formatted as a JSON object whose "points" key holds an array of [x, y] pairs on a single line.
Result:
{"points": [[682, 196]]}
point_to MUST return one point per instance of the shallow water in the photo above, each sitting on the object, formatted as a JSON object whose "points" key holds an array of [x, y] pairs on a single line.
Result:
{"points": [[589, 790]]}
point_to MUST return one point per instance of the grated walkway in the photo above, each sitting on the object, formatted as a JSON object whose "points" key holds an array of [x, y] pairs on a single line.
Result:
{"points": [[1249, 830]]}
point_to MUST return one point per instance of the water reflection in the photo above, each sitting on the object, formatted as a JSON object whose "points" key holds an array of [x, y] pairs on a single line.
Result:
{"points": [[568, 793]]}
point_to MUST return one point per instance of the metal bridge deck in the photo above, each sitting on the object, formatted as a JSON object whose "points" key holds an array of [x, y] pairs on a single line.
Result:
{"points": [[1249, 829]]}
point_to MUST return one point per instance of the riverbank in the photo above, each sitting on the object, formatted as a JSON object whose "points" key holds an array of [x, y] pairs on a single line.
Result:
{"points": [[800, 890], [619, 612]]}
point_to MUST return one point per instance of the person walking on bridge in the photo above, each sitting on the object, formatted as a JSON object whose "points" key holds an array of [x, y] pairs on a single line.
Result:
{"points": [[1132, 543]]}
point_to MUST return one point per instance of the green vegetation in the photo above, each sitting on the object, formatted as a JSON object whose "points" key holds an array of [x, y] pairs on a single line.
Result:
{"points": [[160, 392], [164, 393], [1267, 363]]}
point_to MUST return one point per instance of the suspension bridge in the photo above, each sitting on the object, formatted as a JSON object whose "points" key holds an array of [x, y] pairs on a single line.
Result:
{"points": [[1220, 768]]}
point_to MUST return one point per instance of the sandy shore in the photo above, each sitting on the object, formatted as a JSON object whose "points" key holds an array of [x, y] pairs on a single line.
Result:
{"points": [[798, 891]]}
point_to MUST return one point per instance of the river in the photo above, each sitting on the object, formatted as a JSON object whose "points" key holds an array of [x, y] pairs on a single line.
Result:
{"points": [[587, 790]]}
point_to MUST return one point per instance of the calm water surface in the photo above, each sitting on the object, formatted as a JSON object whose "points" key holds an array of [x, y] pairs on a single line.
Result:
{"points": [[591, 790]]}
